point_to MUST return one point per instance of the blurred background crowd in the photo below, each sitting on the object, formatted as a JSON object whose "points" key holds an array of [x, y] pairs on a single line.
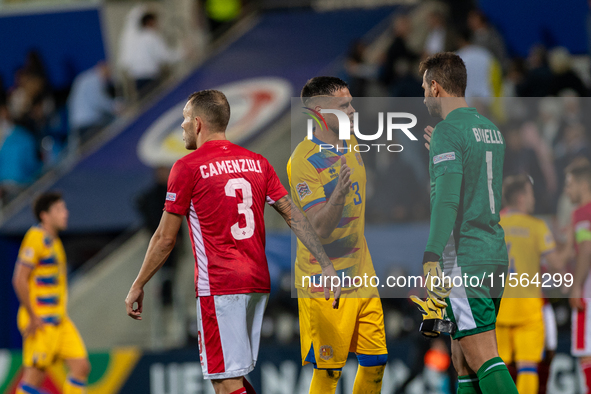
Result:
{"points": [[159, 51], [41, 123]]}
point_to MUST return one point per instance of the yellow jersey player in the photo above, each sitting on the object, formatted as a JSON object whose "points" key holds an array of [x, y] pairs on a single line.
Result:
{"points": [[520, 322], [327, 180], [40, 284]]}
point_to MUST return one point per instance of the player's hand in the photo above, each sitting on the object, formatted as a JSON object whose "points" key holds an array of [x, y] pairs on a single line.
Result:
{"points": [[430, 311], [575, 298], [35, 324], [427, 136], [344, 182], [328, 274], [437, 288], [135, 295]]}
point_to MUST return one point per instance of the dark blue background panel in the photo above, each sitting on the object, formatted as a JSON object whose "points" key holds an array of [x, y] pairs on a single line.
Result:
{"points": [[68, 41]]}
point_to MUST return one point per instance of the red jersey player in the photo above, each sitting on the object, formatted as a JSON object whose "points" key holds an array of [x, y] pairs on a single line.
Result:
{"points": [[222, 189], [578, 189]]}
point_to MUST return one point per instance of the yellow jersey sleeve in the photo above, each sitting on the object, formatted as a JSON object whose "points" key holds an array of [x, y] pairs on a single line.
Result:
{"points": [[545, 240], [31, 248], [305, 183]]}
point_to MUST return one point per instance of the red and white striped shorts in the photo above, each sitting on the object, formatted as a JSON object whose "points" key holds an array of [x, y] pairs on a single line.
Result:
{"points": [[581, 330], [229, 333]]}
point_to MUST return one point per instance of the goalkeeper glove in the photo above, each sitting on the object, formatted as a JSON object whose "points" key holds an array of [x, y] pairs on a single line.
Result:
{"points": [[436, 288], [433, 323]]}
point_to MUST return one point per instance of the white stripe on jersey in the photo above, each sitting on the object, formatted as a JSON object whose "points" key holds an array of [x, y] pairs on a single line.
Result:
{"points": [[202, 262]]}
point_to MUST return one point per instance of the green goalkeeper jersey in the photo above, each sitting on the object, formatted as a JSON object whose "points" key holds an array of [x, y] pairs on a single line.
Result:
{"points": [[469, 144]]}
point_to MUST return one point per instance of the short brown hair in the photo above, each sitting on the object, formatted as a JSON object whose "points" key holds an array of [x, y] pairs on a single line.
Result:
{"points": [[213, 106], [448, 69], [513, 186], [321, 86], [580, 169], [44, 202]]}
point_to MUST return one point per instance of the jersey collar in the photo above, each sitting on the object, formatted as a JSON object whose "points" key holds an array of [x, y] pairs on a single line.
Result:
{"points": [[460, 110], [333, 150]]}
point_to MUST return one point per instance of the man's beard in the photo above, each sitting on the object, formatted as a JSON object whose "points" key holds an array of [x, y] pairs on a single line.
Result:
{"points": [[433, 106], [190, 144]]}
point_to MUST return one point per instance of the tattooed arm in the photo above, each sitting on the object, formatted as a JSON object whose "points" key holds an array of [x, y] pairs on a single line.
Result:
{"points": [[325, 217], [306, 234]]}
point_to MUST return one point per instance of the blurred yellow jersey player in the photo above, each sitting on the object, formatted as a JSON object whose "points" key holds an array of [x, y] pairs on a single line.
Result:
{"points": [[520, 322], [40, 283], [328, 184]]}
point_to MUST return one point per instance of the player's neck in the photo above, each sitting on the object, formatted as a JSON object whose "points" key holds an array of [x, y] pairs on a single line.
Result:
{"points": [[517, 209], [449, 103], [49, 230], [328, 137], [213, 137], [585, 199]]}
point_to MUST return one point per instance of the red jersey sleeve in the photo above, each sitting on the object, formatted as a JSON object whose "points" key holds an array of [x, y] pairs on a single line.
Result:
{"points": [[179, 190], [275, 189]]}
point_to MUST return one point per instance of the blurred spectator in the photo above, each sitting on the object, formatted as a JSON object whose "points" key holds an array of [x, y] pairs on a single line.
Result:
{"points": [[400, 201], [522, 159], [30, 101], [564, 77], [533, 140], [479, 66], [514, 77], [485, 35], [538, 78], [549, 119], [90, 105], [34, 65], [572, 144], [439, 38], [572, 110], [150, 205], [144, 54], [19, 162], [398, 53], [4, 123], [359, 72]]}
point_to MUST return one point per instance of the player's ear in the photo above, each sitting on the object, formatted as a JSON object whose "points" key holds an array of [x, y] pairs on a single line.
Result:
{"points": [[435, 88], [198, 124]]}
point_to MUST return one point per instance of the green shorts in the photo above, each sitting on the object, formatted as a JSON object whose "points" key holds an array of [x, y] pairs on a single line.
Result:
{"points": [[473, 305]]}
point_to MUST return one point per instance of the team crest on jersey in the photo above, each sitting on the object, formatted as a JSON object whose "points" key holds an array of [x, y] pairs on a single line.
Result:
{"points": [[303, 190], [326, 352], [358, 157], [28, 252], [549, 238], [444, 157]]}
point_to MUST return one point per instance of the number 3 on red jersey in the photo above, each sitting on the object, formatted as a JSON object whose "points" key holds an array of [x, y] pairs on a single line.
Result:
{"points": [[243, 207]]}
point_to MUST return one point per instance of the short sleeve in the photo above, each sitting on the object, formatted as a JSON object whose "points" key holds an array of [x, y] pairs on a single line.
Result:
{"points": [[275, 189], [446, 150], [305, 184], [179, 190], [582, 227], [30, 249], [545, 239]]}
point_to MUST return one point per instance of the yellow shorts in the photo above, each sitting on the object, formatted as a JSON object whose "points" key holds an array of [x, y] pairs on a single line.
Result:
{"points": [[327, 335], [52, 342], [521, 342]]}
